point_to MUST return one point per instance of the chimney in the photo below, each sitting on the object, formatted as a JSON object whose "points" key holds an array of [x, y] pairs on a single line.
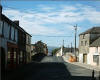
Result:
{"points": [[17, 22], [0, 9]]}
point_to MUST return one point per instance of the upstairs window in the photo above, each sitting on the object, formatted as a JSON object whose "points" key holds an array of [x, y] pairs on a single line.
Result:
{"points": [[81, 43], [1, 27], [16, 35], [12, 33], [85, 43], [83, 36], [6, 30], [96, 50]]}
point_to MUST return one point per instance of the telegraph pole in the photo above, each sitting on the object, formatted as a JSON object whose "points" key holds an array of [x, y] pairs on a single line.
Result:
{"points": [[75, 27], [71, 47], [63, 48]]}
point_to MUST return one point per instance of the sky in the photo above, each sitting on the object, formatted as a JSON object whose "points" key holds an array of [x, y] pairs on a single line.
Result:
{"points": [[54, 21]]}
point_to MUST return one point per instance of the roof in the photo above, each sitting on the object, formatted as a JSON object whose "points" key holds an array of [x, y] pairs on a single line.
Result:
{"points": [[67, 50], [94, 30], [3, 17], [95, 43]]}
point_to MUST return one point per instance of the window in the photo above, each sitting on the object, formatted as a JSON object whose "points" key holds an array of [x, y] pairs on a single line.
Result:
{"points": [[15, 56], [12, 33], [1, 27], [96, 50], [96, 59], [81, 43], [8, 60], [28, 39], [6, 30], [16, 35], [83, 36], [85, 43]]}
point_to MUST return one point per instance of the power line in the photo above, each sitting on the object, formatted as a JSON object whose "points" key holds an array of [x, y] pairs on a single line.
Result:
{"points": [[50, 36]]}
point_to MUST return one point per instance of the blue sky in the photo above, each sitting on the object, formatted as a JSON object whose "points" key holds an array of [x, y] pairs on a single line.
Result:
{"points": [[54, 18]]}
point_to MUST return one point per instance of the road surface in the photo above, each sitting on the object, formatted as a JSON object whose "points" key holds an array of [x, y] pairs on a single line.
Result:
{"points": [[51, 68]]}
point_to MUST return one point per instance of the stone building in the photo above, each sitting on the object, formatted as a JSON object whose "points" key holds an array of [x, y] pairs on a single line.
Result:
{"points": [[28, 47], [33, 52], [41, 47], [85, 40]]}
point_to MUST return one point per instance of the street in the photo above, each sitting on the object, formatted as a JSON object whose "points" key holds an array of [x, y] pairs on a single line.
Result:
{"points": [[50, 68]]}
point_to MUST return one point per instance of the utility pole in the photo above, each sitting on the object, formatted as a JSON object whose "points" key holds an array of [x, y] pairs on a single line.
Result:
{"points": [[63, 43], [75, 27], [71, 47], [63, 48]]}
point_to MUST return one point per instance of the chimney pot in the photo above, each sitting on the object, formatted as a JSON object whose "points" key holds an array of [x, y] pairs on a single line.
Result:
{"points": [[0, 11], [17, 22]]}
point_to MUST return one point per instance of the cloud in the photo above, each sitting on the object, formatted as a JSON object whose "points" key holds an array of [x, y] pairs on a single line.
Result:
{"points": [[35, 21], [30, 22]]}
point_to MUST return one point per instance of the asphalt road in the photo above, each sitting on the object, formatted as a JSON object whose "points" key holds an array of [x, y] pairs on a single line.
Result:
{"points": [[50, 68]]}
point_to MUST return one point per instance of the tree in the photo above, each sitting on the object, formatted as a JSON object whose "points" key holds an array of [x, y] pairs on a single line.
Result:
{"points": [[54, 51]]}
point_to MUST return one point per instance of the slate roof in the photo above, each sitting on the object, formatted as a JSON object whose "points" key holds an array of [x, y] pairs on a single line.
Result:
{"points": [[96, 43], [94, 30], [3, 17], [68, 50]]}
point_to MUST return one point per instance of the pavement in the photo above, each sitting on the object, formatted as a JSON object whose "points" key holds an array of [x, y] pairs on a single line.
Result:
{"points": [[96, 68], [50, 68]]}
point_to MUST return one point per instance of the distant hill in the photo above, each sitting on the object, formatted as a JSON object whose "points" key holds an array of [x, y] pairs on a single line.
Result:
{"points": [[50, 48]]}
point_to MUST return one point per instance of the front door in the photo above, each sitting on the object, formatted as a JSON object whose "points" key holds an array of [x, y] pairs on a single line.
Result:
{"points": [[3, 69], [84, 58]]}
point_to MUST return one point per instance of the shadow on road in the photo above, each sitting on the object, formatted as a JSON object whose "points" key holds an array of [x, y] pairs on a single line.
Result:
{"points": [[44, 71], [38, 57]]}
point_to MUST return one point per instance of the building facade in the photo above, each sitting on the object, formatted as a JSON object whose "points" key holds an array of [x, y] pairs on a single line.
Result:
{"points": [[85, 40], [28, 47], [9, 41], [94, 53], [41, 47], [12, 42], [33, 51]]}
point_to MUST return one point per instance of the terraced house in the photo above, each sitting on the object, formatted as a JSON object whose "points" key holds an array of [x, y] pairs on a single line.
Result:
{"points": [[13, 42], [89, 46]]}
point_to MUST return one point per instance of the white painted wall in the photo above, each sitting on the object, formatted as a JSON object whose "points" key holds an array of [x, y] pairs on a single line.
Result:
{"points": [[92, 51], [81, 57], [59, 52]]}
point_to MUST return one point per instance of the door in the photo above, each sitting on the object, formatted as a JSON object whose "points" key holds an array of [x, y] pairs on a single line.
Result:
{"points": [[3, 69], [84, 58]]}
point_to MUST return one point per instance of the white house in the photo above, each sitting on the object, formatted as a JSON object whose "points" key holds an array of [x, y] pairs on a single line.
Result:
{"points": [[60, 52], [93, 57]]}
